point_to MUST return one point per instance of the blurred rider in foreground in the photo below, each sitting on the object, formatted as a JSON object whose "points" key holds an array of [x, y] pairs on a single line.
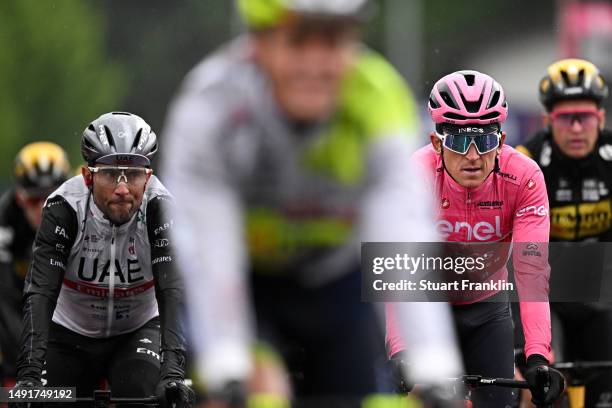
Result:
{"points": [[287, 148]]}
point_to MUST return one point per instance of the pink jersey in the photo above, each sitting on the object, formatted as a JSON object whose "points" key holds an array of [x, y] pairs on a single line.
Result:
{"points": [[511, 205]]}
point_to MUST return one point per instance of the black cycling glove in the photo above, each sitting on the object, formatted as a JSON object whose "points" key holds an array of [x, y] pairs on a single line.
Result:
{"points": [[21, 385], [545, 383], [399, 367], [173, 393]]}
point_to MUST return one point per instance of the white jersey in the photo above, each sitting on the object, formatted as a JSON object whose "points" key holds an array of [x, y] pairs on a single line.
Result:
{"points": [[254, 193], [108, 286]]}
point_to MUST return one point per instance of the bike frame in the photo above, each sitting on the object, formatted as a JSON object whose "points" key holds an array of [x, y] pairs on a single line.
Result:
{"points": [[576, 371]]}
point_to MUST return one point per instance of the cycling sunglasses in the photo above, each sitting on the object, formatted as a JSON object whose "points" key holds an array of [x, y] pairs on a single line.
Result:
{"points": [[460, 143], [588, 118], [115, 175]]}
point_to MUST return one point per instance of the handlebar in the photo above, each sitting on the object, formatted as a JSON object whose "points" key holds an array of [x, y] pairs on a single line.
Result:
{"points": [[102, 398], [476, 381]]}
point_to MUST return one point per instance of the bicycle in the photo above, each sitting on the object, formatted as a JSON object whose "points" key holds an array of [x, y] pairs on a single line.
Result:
{"points": [[103, 398], [468, 383], [578, 375], [472, 382]]}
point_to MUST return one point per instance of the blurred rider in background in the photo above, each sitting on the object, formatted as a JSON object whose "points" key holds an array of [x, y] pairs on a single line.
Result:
{"points": [[40, 168], [574, 152]]}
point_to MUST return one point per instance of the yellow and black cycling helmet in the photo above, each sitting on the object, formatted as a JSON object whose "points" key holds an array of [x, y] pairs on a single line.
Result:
{"points": [[572, 79], [41, 167]]}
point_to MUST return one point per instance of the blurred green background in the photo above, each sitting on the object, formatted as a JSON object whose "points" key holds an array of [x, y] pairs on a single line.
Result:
{"points": [[64, 62]]}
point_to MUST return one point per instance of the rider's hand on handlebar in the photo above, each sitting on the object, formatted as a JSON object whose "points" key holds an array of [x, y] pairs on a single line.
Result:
{"points": [[546, 383], [24, 384], [399, 368], [173, 393]]}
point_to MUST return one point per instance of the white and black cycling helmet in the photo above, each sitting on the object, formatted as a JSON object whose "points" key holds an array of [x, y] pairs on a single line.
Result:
{"points": [[119, 138], [258, 14]]}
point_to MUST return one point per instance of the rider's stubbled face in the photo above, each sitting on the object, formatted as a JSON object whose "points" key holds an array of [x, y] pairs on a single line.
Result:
{"points": [[305, 62], [118, 201]]}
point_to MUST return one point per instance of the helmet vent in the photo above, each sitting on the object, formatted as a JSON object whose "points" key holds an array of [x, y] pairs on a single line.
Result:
{"points": [[581, 77], [469, 79], [566, 78], [433, 103], [448, 100], [494, 99], [472, 106], [451, 115], [446, 96], [88, 144], [491, 115], [109, 135], [136, 140]]}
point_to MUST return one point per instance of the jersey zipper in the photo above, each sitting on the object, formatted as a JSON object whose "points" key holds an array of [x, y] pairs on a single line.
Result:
{"points": [[577, 198], [111, 282], [468, 202]]}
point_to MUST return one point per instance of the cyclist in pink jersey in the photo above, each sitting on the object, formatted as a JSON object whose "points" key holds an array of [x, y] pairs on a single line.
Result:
{"points": [[486, 191]]}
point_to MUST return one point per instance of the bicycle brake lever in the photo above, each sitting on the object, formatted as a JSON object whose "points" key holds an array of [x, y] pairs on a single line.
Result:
{"points": [[543, 378]]}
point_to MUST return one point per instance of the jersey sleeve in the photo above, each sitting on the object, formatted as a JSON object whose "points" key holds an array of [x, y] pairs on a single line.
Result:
{"points": [[168, 288], [7, 232], [397, 208], [43, 283], [208, 238], [531, 230]]}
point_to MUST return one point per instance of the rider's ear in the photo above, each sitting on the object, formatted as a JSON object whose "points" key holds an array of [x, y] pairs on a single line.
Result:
{"points": [[546, 119], [501, 141], [87, 176], [149, 174], [436, 142]]}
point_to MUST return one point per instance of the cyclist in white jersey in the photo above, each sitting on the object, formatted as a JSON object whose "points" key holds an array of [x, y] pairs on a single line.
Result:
{"points": [[287, 147], [102, 280]]}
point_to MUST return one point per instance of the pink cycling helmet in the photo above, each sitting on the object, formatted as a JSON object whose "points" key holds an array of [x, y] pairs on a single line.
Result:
{"points": [[467, 97]]}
